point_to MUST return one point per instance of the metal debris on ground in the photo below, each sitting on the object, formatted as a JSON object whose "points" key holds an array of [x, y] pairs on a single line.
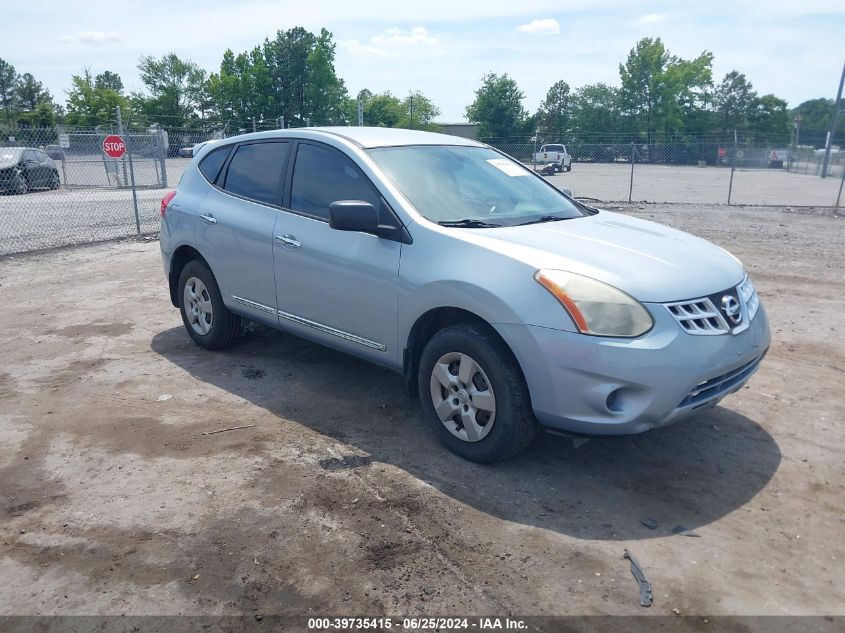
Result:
{"points": [[646, 597], [231, 428]]}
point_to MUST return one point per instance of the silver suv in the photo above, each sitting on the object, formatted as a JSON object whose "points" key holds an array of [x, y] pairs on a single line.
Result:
{"points": [[506, 305]]}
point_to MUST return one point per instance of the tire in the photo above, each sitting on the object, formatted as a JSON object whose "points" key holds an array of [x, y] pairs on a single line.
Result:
{"points": [[21, 186], [498, 382], [569, 167], [206, 319], [55, 181]]}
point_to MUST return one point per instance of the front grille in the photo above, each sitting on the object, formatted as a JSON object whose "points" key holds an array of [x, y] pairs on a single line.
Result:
{"points": [[698, 316], [712, 314], [720, 385]]}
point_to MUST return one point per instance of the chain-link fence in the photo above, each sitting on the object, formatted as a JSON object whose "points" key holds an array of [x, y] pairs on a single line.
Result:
{"points": [[709, 172], [58, 187]]}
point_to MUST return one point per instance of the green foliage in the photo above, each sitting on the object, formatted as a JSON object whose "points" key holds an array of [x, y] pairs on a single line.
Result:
{"points": [[595, 110], [769, 119], [8, 85], [497, 108], [662, 94], [29, 93], [815, 114], [109, 80], [733, 100], [89, 106], [176, 87], [554, 114]]}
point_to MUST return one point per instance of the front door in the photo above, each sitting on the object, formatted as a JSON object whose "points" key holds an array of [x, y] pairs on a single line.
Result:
{"points": [[338, 288]]}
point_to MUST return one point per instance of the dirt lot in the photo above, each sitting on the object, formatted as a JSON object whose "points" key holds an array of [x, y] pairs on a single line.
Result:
{"points": [[338, 501]]}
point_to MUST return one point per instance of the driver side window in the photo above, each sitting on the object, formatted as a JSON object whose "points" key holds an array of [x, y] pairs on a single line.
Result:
{"points": [[322, 176]]}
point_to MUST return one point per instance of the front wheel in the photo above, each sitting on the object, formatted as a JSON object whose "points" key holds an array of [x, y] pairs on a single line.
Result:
{"points": [[21, 185], [206, 319], [55, 181], [474, 395]]}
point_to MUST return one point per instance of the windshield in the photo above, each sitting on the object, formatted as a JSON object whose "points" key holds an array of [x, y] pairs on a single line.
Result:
{"points": [[471, 186]]}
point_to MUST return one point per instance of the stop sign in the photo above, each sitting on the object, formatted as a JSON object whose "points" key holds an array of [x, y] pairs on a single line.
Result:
{"points": [[114, 146]]}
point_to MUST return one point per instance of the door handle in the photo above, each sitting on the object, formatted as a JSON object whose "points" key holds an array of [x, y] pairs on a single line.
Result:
{"points": [[210, 219], [289, 240]]}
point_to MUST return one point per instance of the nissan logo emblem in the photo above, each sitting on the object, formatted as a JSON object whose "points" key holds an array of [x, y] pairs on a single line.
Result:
{"points": [[730, 306]]}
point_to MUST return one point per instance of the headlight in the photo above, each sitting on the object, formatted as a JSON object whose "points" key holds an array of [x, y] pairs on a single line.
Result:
{"points": [[595, 307]]}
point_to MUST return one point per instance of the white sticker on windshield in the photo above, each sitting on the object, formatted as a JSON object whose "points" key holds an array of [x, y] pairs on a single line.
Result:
{"points": [[509, 167]]}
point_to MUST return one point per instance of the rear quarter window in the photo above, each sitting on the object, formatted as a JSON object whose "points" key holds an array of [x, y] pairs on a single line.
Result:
{"points": [[213, 161]]}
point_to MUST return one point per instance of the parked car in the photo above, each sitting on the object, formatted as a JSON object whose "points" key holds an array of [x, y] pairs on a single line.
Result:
{"points": [[506, 305], [56, 152], [25, 168], [186, 152], [555, 155]]}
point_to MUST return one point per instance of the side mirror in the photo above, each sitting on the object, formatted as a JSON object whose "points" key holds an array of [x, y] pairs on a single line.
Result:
{"points": [[353, 215]]}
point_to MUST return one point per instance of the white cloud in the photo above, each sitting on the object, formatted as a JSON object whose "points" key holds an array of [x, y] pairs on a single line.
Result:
{"points": [[354, 47], [95, 38], [398, 37], [652, 18], [549, 26]]}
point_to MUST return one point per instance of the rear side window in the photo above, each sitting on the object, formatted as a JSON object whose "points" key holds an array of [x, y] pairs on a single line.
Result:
{"points": [[213, 161], [256, 170], [322, 176]]}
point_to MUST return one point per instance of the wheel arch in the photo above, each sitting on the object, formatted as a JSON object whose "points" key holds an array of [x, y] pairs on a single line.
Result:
{"points": [[426, 326], [181, 256]]}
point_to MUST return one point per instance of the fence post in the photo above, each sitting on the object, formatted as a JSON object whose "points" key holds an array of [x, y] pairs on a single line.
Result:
{"points": [[841, 182], [131, 172], [733, 168], [162, 157], [631, 183]]}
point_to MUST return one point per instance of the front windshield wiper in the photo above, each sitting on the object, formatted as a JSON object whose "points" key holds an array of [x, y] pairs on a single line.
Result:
{"points": [[468, 223], [544, 218]]}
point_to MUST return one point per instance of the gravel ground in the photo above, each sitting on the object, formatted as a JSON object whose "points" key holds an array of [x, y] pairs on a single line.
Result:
{"points": [[336, 500]]}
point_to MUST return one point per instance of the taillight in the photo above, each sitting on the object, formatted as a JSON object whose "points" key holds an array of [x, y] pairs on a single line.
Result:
{"points": [[166, 200]]}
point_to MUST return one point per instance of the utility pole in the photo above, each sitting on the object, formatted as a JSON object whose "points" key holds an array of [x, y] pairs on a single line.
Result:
{"points": [[411, 98], [253, 124], [832, 131], [360, 113]]}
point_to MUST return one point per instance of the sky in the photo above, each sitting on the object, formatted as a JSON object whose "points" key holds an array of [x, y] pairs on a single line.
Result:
{"points": [[793, 49]]}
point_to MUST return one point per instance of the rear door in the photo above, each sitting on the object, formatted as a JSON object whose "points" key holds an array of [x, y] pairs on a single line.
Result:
{"points": [[234, 227], [335, 287]]}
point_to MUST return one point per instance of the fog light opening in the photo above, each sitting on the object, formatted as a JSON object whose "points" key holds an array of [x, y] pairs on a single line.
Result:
{"points": [[615, 401]]}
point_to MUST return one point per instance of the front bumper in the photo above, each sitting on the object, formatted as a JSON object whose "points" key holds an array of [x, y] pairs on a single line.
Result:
{"points": [[610, 386]]}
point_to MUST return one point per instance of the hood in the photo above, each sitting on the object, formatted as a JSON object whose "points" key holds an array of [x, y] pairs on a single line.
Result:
{"points": [[649, 261]]}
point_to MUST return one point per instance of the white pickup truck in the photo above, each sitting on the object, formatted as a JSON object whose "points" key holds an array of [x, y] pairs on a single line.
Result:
{"points": [[556, 155]]}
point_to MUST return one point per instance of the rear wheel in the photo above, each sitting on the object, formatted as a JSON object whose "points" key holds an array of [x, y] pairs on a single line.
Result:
{"points": [[55, 181], [206, 319], [474, 395]]}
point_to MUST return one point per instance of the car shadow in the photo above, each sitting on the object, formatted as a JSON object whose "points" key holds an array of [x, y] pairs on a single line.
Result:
{"points": [[617, 488]]}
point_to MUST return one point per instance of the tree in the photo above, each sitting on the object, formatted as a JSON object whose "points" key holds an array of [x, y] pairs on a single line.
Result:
{"points": [[29, 93], [383, 110], [733, 100], [90, 106], [174, 84], [815, 120], [286, 57], [325, 92], [8, 85], [554, 114], [769, 120], [595, 110], [110, 81], [661, 93], [419, 112], [497, 108]]}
